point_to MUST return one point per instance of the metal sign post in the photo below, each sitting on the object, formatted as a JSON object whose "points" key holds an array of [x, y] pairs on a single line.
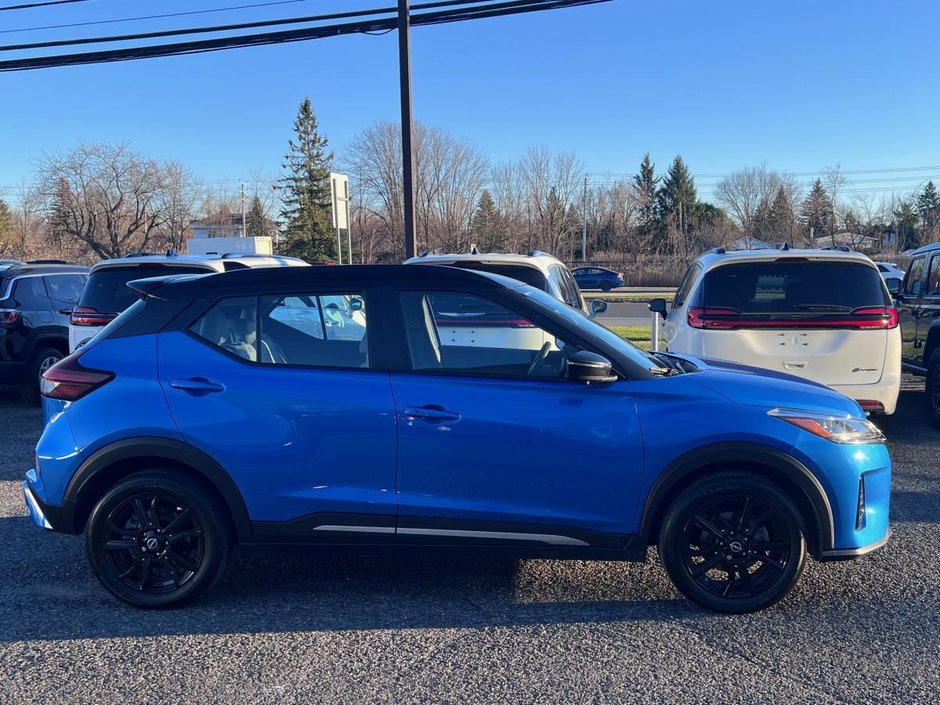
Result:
{"points": [[339, 192], [407, 148]]}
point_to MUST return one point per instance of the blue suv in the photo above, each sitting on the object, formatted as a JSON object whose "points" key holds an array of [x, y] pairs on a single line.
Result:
{"points": [[352, 407]]}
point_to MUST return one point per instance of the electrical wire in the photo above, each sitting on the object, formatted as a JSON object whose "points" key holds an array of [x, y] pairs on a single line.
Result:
{"points": [[262, 39], [30, 5]]}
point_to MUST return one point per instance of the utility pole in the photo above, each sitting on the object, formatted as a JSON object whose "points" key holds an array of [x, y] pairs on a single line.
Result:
{"points": [[244, 228], [407, 148], [584, 222]]}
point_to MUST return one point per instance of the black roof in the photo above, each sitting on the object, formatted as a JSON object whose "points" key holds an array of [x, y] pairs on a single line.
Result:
{"points": [[188, 286]]}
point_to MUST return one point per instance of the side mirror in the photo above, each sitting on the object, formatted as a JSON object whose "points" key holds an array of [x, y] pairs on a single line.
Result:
{"points": [[894, 287], [355, 304], [598, 306], [590, 368], [658, 306]]}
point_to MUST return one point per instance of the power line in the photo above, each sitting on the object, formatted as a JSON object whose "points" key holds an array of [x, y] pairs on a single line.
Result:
{"points": [[262, 39], [139, 18], [609, 174], [29, 5]]}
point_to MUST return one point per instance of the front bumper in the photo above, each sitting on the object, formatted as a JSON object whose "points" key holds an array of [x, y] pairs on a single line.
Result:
{"points": [[837, 554], [34, 508]]}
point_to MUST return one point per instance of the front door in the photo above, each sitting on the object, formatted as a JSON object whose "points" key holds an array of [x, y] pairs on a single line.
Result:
{"points": [[495, 446], [930, 308], [908, 303], [280, 391]]}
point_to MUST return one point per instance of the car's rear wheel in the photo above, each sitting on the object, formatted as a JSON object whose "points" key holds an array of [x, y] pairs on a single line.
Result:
{"points": [[157, 540], [933, 389], [43, 359], [606, 286], [732, 542]]}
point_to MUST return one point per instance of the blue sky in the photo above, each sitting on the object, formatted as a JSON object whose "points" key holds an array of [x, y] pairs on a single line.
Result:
{"points": [[799, 84]]}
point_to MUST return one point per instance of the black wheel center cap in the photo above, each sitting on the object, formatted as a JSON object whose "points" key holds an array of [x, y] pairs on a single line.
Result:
{"points": [[152, 541], [736, 546]]}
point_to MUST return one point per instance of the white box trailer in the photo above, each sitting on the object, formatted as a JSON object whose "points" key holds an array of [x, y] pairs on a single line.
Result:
{"points": [[223, 245]]}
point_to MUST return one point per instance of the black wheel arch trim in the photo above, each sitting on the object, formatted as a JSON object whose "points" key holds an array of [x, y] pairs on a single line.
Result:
{"points": [[156, 448], [752, 454]]}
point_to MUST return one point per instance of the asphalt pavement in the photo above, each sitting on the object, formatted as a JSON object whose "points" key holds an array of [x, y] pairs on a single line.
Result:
{"points": [[297, 629]]}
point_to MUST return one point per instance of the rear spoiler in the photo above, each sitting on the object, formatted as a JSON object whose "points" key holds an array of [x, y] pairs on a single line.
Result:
{"points": [[148, 288]]}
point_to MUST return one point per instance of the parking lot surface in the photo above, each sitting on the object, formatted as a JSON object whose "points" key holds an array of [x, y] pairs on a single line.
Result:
{"points": [[304, 629]]}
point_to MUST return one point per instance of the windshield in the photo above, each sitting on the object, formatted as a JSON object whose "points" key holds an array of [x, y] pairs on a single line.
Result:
{"points": [[584, 324]]}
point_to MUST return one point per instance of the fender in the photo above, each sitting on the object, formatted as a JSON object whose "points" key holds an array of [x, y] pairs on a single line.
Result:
{"points": [[751, 453], [50, 336], [157, 448]]}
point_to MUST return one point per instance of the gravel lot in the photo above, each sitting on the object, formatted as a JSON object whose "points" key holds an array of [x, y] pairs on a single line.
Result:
{"points": [[344, 630]]}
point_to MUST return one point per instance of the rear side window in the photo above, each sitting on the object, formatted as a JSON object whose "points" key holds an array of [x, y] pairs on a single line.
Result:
{"points": [[792, 287], [30, 293], [529, 275], [914, 284], [106, 289], [231, 325], [66, 288], [682, 293], [933, 278], [563, 286], [314, 330]]}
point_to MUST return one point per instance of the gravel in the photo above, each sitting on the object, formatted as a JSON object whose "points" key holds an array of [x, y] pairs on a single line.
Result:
{"points": [[302, 629]]}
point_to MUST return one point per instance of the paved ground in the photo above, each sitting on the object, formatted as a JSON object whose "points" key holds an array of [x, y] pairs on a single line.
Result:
{"points": [[347, 630], [625, 314]]}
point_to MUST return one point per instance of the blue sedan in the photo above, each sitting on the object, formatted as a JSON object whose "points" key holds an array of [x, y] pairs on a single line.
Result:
{"points": [[597, 278]]}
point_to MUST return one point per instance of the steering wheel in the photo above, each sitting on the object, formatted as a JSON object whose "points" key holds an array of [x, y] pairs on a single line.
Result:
{"points": [[540, 357]]}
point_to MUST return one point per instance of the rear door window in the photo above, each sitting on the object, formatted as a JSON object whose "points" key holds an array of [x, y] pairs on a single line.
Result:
{"points": [[106, 289], [65, 288], [914, 284], [30, 294], [792, 288]]}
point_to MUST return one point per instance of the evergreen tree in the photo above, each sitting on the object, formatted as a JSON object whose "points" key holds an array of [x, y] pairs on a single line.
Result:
{"points": [[677, 199], [928, 208], [255, 221], [816, 215], [7, 230], [307, 211], [485, 224], [646, 185], [778, 219], [905, 225]]}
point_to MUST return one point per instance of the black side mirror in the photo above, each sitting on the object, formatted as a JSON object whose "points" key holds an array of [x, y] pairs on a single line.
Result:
{"points": [[894, 287], [355, 304], [590, 368], [598, 306], [658, 306]]}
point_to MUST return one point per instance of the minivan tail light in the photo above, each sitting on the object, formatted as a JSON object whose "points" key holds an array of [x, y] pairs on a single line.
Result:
{"points": [[865, 318], [88, 316], [714, 318], [880, 317], [68, 380], [9, 315]]}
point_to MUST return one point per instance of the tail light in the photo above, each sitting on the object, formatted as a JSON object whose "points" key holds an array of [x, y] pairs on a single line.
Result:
{"points": [[871, 406], [87, 316], [9, 315], [68, 380], [865, 318]]}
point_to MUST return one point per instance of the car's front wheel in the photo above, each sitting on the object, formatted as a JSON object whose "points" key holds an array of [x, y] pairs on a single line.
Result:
{"points": [[606, 286], [933, 389], [157, 539], [732, 542]]}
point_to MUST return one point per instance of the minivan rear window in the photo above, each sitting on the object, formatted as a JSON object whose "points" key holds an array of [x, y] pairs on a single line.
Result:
{"points": [[106, 289], [797, 287]]}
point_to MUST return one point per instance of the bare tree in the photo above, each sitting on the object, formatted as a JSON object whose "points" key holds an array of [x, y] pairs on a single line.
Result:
{"points": [[178, 200], [746, 192], [835, 180]]}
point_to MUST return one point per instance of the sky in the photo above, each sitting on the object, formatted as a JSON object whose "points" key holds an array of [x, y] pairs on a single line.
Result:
{"points": [[796, 84]]}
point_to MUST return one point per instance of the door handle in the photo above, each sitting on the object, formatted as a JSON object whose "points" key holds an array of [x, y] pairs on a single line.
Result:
{"points": [[431, 412], [197, 385]]}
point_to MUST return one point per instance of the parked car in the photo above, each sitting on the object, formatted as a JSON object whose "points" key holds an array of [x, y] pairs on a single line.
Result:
{"points": [[822, 315], [197, 420], [892, 274], [469, 322], [106, 293], [597, 278], [918, 303], [34, 335]]}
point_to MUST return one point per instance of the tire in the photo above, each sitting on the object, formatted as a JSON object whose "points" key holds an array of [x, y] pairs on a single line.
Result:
{"points": [[933, 389], [606, 286], [43, 359], [157, 539], [736, 524], [883, 422]]}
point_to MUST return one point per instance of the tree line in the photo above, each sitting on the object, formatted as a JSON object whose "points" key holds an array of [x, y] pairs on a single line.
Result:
{"points": [[106, 200]]}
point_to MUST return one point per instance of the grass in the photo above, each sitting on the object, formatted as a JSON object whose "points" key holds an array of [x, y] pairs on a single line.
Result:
{"points": [[639, 296], [638, 335]]}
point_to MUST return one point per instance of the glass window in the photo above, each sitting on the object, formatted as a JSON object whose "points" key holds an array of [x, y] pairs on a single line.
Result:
{"points": [[65, 287], [792, 287], [682, 293], [562, 285], [319, 330], [106, 290], [933, 279], [30, 293], [467, 334], [231, 325], [915, 278]]}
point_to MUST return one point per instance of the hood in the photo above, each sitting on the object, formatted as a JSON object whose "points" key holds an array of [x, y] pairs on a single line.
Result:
{"points": [[755, 386]]}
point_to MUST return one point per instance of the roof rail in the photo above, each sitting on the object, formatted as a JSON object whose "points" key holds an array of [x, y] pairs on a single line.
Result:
{"points": [[48, 261], [783, 246], [141, 254], [716, 251], [839, 248], [536, 253]]}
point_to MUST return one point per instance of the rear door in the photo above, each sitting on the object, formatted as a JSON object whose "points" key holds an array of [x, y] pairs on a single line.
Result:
{"points": [[909, 309], [294, 406], [825, 320]]}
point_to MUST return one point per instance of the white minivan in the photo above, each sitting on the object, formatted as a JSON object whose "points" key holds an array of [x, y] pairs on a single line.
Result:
{"points": [[822, 315]]}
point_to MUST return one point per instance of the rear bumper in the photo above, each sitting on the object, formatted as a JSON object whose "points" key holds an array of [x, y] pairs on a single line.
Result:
{"points": [[886, 392]]}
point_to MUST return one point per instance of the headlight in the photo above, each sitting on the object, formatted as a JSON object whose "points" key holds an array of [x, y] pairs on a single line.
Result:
{"points": [[838, 429]]}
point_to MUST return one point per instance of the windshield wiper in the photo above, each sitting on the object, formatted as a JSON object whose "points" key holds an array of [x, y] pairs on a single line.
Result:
{"points": [[821, 307]]}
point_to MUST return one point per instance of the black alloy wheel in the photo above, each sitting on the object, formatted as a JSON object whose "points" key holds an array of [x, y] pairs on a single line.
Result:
{"points": [[732, 543], [32, 384], [157, 540], [606, 286]]}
